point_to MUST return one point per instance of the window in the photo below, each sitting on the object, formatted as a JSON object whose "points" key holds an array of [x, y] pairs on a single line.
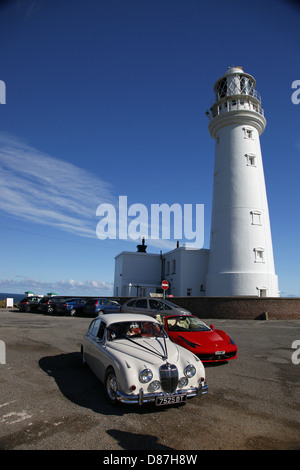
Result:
{"points": [[189, 291], [256, 217], [246, 86], [251, 159], [248, 133], [259, 255], [93, 330], [101, 330], [91, 327], [164, 306], [262, 292], [154, 304], [142, 292], [174, 266], [222, 89], [142, 303]]}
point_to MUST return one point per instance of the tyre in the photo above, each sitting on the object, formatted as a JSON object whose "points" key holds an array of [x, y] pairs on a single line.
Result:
{"points": [[73, 312], [111, 386], [101, 312]]}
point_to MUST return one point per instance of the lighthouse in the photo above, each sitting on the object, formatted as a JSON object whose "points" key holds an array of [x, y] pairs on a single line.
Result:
{"points": [[241, 258]]}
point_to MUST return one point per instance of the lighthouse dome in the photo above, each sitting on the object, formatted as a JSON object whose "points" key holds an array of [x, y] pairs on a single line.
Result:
{"points": [[234, 70]]}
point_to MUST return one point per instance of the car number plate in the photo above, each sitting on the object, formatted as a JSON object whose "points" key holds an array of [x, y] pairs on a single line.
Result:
{"points": [[218, 353], [170, 400]]}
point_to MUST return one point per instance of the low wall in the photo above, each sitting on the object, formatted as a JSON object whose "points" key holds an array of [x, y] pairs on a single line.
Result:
{"points": [[243, 308]]}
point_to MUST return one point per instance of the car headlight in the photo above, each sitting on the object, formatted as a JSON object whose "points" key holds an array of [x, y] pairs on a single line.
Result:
{"points": [[231, 341], [145, 376], [182, 382], [190, 371], [155, 385]]}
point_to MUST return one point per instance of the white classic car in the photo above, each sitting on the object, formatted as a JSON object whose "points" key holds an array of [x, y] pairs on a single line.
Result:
{"points": [[136, 361]]}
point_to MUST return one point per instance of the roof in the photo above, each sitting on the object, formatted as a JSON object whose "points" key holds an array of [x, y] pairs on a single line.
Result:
{"points": [[120, 317]]}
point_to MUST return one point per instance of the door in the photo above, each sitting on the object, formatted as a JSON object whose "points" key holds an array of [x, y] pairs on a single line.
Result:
{"points": [[96, 348]]}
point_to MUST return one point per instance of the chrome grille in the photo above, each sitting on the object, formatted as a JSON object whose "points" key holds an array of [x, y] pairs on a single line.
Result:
{"points": [[168, 377]]}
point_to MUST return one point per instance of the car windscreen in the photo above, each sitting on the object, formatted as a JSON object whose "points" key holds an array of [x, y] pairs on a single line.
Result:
{"points": [[185, 323], [134, 329]]}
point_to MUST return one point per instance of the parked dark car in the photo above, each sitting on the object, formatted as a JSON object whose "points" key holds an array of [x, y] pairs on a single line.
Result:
{"points": [[47, 304], [98, 306], [29, 304], [71, 306]]}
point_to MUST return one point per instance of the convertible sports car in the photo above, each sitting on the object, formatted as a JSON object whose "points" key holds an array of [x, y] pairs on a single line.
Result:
{"points": [[137, 363], [205, 342]]}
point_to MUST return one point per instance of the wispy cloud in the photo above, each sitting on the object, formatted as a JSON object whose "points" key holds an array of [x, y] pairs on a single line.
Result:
{"points": [[45, 190]]}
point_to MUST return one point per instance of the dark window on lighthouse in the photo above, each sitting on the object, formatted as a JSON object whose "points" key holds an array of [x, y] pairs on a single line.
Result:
{"points": [[248, 133], [251, 159], [222, 88]]}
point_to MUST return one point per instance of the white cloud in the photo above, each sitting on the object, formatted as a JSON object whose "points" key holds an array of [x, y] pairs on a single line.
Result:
{"points": [[46, 190]]}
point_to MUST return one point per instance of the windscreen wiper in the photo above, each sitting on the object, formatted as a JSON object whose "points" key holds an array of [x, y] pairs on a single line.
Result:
{"points": [[163, 356]]}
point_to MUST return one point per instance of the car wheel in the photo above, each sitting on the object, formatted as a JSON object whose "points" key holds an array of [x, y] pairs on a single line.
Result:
{"points": [[111, 386], [27, 309], [101, 312], [50, 310], [73, 312]]}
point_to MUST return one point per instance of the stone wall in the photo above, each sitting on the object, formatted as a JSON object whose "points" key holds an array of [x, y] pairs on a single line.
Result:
{"points": [[244, 308]]}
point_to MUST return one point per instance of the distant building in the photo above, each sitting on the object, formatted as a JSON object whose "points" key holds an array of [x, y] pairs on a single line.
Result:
{"points": [[240, 258]]}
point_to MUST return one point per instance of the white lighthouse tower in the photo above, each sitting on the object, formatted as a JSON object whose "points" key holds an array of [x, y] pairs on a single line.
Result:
{"points": [[241, 254]]}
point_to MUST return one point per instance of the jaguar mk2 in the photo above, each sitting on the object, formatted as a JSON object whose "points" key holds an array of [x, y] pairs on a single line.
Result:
{"points": [[134, 358]]}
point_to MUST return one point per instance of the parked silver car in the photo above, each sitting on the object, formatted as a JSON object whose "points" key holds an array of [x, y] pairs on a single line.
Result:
{"points": [[152, 305]]}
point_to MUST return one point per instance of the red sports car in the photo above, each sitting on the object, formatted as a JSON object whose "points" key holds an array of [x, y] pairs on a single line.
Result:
{"points": [[208, 344]]}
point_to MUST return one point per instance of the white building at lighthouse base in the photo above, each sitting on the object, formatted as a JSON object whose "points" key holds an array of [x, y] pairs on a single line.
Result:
{"points": [[140, 274]]}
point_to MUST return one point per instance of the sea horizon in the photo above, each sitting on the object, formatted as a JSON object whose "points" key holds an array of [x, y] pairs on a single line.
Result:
{"points": [[16, 297]]}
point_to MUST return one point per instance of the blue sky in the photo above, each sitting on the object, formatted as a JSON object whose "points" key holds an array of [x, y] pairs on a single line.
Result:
{"points": [[107, 98]]}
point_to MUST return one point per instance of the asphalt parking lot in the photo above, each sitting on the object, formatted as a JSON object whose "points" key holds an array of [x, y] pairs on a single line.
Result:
{"points": [[49, 401]]}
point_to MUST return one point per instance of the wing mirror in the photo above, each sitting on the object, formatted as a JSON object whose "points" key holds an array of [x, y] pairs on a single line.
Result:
{"points": [[212, 327]]}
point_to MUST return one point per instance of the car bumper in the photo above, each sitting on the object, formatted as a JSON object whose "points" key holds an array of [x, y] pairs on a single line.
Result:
{"points": [[142, 397], [215, 357]]}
